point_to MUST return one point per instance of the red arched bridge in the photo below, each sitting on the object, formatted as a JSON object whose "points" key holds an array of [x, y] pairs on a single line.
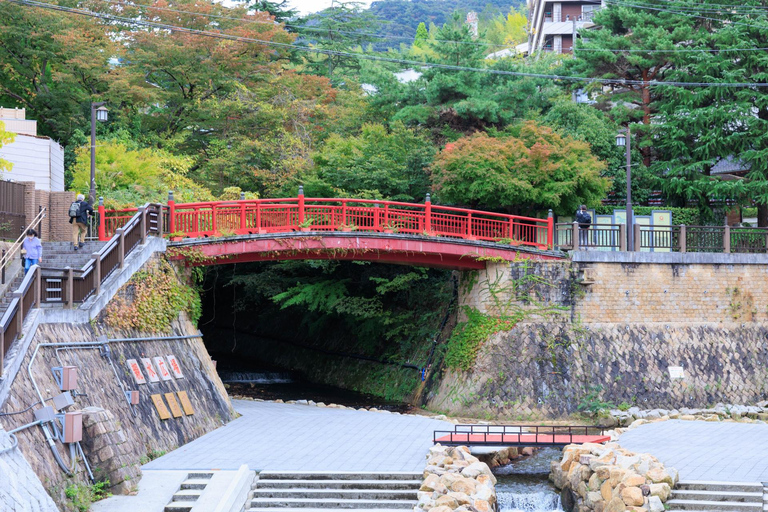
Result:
{"points": [[344, 229]]}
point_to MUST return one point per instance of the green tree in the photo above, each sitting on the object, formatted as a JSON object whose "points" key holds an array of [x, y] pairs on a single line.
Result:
{"points": [[528, 171], [345, 27], [633, 44], [421, 35], [379, 162], [701, 125], [507, 30], [281, 9], [128, 176]]}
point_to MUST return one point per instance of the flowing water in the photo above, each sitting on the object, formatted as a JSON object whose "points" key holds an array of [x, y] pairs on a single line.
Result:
{"points": [[523, 486]]}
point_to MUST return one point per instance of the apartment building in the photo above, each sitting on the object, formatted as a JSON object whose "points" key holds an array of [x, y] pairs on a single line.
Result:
{"points": [[553, 25]]}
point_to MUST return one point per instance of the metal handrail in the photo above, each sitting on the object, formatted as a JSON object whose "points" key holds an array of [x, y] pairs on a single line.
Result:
{"points": [[499, 433], [16, 246]]}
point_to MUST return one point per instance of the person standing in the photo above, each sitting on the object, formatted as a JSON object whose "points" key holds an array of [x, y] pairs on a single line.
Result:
{"points": [[79, 212], [33, 248], [585, 220]]}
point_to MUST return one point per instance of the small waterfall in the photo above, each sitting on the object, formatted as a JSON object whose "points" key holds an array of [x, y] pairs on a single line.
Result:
{"points": [[544, 501], [255, 377]]}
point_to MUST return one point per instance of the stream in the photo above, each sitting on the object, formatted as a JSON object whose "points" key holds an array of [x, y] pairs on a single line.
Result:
{"points": [[523, 486]]}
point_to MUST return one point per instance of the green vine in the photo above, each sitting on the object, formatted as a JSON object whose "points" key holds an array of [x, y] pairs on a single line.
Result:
{"points": [[469, 336], [153, 299]]}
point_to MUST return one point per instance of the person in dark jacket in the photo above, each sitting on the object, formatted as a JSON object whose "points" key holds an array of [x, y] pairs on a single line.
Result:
{"points": [[585, 220], [80, 221]]}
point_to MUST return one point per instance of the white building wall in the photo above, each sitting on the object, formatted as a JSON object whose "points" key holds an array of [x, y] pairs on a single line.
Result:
{"points": [[37, 159]]}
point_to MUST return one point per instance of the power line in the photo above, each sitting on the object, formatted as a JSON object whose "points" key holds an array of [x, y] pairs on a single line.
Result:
{"points": [[298, 27], [228, 37], [658, 9]]}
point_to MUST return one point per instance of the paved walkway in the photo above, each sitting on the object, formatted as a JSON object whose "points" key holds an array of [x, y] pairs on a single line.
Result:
{"points": [[704, 450], [307, 438]]}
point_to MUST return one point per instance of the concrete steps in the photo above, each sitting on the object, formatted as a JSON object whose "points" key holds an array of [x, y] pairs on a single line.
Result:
{"points": [[717, 496], [189, 492], [307, 492]]}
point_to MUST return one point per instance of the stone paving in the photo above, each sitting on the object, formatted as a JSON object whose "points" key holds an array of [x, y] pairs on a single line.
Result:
{"points": [[287, 437], [704, 450]]}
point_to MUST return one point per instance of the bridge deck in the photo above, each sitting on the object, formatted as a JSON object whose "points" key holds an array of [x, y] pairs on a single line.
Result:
{"points": [[456, 439], [519, 435]]}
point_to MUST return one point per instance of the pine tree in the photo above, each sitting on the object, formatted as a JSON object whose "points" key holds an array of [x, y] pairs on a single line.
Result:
{"points": [[421, 35]]}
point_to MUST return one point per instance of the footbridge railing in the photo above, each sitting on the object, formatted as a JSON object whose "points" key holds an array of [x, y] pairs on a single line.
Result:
{"points": [[69, 286], [519, 435], [260, 216]]}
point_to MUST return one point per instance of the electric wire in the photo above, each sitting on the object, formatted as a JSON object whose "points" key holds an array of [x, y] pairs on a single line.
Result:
{"points": [[380, 58]]}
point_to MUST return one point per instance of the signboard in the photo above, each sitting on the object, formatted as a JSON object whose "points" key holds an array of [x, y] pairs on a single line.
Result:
{"points": [[173, 364], [162, 410], [173, 404], [676, 372], [162, 368], [135, 369], [185, 403], [151, 373]]}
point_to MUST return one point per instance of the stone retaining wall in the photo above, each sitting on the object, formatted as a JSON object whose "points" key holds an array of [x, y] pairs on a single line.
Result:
{"points": [[456, 481], [550, 369]]}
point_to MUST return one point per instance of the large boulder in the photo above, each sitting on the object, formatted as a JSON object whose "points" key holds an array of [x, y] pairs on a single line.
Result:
{"points": [[632, 496]]}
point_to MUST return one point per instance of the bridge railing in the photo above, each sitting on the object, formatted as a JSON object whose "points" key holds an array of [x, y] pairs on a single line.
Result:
{"points": [[522, 435], [259, 216]]}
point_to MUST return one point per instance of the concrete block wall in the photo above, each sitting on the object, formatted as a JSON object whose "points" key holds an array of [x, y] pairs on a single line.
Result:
{"points": [[20, 488]]}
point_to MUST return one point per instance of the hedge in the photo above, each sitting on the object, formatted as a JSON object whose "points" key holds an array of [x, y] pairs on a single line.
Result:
{"points": [[687, 216]]}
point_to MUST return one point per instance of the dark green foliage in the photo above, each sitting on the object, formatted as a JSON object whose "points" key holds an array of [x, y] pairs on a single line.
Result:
{"points": [[687, 216]]}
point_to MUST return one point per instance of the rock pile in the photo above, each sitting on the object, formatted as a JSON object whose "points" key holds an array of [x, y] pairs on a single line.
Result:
{"points": [[456, 481], [743, 413], [608, 478]]}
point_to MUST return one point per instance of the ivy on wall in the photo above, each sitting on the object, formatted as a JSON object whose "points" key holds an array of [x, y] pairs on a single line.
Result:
{"points": [[152, 299]]}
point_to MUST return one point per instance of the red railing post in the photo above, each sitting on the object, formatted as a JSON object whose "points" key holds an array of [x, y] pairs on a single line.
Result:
{"points": [[258, 216], [550, 230], [171, 213], [301, 204], [376, 219], [102, 221], [468, 233], [214, 224], [386, 214], [428, 214], [242, 217]]}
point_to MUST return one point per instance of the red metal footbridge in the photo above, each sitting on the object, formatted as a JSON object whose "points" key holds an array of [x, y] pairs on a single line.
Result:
{"points": [[344, 228], [519, 435]]}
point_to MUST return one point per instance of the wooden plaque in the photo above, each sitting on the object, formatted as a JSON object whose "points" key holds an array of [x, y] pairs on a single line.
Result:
{"points": [[162, 410], [151, 373], [173, 404], [135, 369], [185, 403], [162, 368]]}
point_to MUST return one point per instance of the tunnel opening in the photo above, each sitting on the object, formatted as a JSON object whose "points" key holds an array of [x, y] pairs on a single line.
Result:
{"points": [[354, 333]]}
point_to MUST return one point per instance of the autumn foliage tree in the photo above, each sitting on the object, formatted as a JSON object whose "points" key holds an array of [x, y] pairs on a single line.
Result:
{"points": [[527, 170]]}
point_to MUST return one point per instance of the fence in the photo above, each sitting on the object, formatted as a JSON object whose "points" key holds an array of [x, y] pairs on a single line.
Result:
{"points": [[321, 214], [12, 216], [69, 286], [672, 238]]}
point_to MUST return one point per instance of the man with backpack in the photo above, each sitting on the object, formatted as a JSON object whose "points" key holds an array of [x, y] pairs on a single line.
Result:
{"points": [[585, 220], [79, 211]]}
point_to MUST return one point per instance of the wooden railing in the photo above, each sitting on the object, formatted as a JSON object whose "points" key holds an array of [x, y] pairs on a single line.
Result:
{"points": [[321, 214], [667, 238], [69, 286]]}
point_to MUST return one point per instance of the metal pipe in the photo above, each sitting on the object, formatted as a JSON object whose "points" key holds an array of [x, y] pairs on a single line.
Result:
{"points": [[14, 444], [85, 461], [28, 425], [56, 455]]}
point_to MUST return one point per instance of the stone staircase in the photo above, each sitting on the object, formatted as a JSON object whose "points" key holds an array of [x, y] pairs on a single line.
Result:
{"points": [[718, 496], [308, 492], [61, 254], [189, 492]]}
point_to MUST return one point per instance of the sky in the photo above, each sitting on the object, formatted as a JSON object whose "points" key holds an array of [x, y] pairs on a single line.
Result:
{"points": [[309, 6]]}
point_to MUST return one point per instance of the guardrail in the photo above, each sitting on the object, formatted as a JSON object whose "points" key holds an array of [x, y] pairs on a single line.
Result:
{"points": [[69, 286], [333, 214], [519, 435], [666, 238]]}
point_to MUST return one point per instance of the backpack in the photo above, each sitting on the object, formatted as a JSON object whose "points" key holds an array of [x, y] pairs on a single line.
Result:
{"points": [[583, 218], [74, 209]]}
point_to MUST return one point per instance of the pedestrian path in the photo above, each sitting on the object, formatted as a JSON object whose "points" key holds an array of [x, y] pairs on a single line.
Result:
{"points": [[292, 437], [705, 450]]}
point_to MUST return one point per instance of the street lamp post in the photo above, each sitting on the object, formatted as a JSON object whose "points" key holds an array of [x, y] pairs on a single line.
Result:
{"points": [[98, 113], [624, 140]]}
